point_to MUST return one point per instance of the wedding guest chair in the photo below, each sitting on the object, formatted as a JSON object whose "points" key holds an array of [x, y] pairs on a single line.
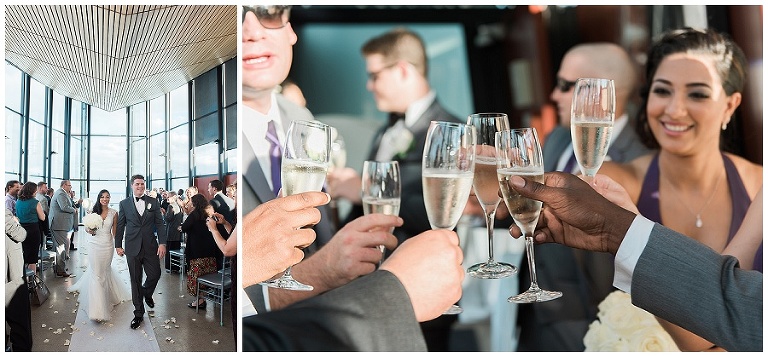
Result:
{"points": [[214, 287]]}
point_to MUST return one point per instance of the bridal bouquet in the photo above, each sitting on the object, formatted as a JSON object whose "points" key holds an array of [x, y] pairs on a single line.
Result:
{"points": [[92, 221], [624, 327]]}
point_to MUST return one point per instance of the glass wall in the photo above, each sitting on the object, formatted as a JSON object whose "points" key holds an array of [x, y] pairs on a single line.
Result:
{"points": [[50, 137]]}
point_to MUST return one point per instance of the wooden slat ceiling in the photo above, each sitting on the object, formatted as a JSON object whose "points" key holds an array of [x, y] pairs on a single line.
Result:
{"points": [[115, 56]]}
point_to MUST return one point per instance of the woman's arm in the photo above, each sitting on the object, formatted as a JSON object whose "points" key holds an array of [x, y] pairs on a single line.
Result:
{"points": [[114, 226], [40, 212]]}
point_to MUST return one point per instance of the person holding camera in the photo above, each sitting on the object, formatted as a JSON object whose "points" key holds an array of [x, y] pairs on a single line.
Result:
{"points": [[203, 254]]}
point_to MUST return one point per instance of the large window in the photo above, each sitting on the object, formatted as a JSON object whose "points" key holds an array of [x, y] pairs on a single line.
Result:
{"points": [[62, 138]]}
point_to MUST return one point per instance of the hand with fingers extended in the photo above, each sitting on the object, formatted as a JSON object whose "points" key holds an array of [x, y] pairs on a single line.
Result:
{"points": [[578, 215], [429, 267], [275, 232], [352, 252]]}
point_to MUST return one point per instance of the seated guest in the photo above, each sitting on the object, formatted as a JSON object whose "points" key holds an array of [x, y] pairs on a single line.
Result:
{"points": [[201, 250]]}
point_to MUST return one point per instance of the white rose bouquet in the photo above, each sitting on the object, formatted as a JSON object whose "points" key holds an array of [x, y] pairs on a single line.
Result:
{"points": [[93, 221], [623, 327]]}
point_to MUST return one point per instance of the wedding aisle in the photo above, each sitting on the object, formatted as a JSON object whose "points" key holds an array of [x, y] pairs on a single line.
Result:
{"points": [[113, 335], [57, 325]]}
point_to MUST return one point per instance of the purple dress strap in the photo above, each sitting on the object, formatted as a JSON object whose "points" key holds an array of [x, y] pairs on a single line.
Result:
{"points": [[648, 202]]}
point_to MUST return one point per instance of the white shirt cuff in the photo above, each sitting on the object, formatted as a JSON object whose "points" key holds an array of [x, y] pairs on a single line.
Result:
{"points": [[629, 252]]}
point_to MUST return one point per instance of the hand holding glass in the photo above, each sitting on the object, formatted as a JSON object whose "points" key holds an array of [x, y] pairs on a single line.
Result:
{"points": [[306, 157], [448, 167], [519, 154], [486, 186], [592, 114]]}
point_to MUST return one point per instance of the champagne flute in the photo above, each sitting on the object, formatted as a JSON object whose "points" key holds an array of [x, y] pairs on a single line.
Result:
{"points": [[381, 190], [306, 157], [519, 154], [592, 114], [486, 186], [448, 167]]}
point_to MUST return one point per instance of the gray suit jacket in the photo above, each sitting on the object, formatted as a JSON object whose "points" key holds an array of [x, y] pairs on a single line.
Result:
{"points": [[140, 229], [372, 313], [691, 285], [62, 212], [584, 277], [256, 190], [43, 202]]}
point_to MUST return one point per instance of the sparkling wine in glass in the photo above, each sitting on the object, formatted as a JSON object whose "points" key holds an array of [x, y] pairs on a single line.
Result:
{"points": [[306, 157], [338, 161], [486, 186], [519, 154], [448, 167], [592, 114], [381, 189]]}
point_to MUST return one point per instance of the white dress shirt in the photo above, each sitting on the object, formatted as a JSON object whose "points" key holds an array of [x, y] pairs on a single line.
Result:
{"points": [[629, 252], [140, 205], [255, 132]]}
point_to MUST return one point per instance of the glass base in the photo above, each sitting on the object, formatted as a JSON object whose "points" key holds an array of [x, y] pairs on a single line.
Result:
{"points": [[493, 270], [287, 283], [453, 310], [535, 295]]}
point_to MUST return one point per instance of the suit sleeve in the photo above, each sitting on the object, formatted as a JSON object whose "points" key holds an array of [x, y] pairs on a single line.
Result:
{"points": [[120, 227], [690, 285], [372, 313], [64, 203]]}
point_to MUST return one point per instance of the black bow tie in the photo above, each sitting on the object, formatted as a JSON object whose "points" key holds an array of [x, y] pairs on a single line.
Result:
{"points": [[139, 198], [394, 117]]}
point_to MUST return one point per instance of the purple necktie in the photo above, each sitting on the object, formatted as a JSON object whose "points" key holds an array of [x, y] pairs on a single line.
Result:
{"points": [[569, 165], [275, 156]]}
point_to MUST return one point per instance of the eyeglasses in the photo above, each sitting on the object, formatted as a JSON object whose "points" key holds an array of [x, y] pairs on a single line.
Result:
{"points": [[564, 85], [271, 17], [373, 76]]}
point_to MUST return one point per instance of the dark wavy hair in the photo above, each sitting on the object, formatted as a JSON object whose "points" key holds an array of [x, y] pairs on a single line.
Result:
{"points": [[28, 191], [200, 203], [729, 60], [97, 207]]}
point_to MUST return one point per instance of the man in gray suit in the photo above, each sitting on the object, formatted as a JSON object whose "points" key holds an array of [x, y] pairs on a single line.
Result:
{"points": [[139, 219], [267, 56], [62, 218], [584, 277], [666, 273]]}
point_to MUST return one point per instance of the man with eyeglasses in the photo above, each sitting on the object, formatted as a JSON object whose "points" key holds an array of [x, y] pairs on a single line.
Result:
{"points": [[377, 301], [396, 63], [585, 278]]}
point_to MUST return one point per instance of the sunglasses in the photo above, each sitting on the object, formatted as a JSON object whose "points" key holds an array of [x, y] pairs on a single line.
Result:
{"points": [[564, 85], [271, 17]]}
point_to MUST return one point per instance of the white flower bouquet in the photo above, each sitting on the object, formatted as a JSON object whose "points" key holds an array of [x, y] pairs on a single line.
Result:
{"points": [[92, 221], [623, 327]]}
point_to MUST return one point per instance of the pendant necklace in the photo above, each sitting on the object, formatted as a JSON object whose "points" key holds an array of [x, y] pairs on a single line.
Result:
{"points": [[699, 222]]}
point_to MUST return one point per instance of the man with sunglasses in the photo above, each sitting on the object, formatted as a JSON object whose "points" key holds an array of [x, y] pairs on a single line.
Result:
{"points": [[585, 278], [353, 251]]}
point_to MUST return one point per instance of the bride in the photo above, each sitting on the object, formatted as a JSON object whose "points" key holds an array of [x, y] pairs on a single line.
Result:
{"points": [[100, 287]]}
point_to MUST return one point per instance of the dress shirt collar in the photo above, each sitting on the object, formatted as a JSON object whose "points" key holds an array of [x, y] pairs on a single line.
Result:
{"points": [[417, 108], [255, 123]]}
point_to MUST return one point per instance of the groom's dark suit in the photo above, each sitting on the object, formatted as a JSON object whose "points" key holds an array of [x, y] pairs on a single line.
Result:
{"points": [[141, 246]]}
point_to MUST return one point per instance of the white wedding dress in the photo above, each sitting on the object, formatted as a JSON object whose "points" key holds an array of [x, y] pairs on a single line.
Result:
{"points": [[101, 287]]}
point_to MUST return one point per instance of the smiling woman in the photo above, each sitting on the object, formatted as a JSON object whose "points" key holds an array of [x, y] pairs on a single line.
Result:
{"points": [[690, 185]]}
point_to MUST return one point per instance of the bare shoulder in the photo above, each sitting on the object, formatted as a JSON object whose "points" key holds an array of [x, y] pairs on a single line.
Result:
{"points": [[751, 174], [630, 175]]}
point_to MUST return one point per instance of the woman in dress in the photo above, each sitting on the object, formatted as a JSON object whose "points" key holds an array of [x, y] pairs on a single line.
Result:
{"points": [[30, 213], [101, 287], [186, 203], [689, 184], [202, 252]]}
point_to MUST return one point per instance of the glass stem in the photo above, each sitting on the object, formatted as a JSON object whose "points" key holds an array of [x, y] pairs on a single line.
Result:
{"points": [[489, 218], [531, 263]]}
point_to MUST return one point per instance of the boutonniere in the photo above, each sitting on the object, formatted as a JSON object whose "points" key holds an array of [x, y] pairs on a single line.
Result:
{"points": [[149, 206], [403, 143]]}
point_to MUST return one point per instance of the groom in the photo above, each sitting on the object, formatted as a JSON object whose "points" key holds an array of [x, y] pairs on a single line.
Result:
{"points": [[140, 218]]}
